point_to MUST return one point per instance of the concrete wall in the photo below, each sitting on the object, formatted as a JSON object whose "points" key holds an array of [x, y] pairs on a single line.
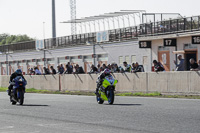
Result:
{"points": [[165, 82]]}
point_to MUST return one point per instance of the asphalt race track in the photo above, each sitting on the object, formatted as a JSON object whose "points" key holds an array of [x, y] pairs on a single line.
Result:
{"points": [[44, 113]]}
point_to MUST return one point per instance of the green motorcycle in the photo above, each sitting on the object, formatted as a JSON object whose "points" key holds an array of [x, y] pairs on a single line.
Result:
{"points": [[106, 90]]}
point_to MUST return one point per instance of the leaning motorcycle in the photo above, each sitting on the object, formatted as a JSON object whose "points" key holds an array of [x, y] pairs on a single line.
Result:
{"points": [[106, 90], [17, 93]]}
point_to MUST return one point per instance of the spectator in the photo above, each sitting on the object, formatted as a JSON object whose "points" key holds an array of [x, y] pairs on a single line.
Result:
{"points": [[37, 71], [181, 65], [158, 67], [53, 71], [199, 66], [60, 69], [138, 68], [104, 66], [193, 65], [69, 70], [115, 68], [109, 67], [99, 68], [70, 65], [133, 67], [78, 70], [93, 69], [46, 71], [127, 67], [31, 71]]}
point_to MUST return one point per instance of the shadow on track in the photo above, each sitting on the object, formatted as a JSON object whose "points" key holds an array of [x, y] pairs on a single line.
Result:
{"points": [[125, 104], [35, 105]]}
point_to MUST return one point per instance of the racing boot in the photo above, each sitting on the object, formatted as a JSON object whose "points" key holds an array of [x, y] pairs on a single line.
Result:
{"points": [[9, 92], [97, 92]]}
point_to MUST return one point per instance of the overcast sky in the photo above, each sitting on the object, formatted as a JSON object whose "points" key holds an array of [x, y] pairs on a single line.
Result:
{"points": [[27, 16]]}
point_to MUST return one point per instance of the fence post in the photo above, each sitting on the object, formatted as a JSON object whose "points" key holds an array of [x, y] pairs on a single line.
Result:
{"points": [[147, 82], [59, 82]]}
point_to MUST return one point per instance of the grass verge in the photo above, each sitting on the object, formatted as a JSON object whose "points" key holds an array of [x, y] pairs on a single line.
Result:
{"points": [[138, 94]]}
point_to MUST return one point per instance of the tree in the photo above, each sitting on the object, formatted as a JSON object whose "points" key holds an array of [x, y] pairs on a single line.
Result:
{"points": [[9, 39]]}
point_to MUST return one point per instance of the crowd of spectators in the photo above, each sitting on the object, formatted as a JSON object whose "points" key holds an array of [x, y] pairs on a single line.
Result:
{"points": [[114, 68]]}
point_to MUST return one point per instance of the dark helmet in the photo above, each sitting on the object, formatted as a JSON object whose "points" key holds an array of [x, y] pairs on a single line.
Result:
{"points": [[18, 71]]}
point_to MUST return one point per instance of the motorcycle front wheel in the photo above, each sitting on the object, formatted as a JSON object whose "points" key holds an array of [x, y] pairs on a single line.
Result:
{"points": [[11, 99], [21, 99], [99, 100], [111, 97]]}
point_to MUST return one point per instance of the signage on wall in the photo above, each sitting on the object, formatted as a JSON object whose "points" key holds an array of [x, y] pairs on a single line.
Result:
{"points": [[39, 44], [170, 42], [144, 44], [195, 39], [102, 36]]}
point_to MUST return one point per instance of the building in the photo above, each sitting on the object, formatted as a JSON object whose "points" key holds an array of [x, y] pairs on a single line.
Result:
{"points": [[156, 40]]}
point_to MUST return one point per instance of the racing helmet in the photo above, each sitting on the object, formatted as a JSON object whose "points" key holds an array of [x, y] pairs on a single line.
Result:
{"points": [[106, 71], [18, 71]]}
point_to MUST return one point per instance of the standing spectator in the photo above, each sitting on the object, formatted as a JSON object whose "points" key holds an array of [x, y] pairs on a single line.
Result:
{"points": [[53, 71], [31, 71], [193, 65], [46, 71], [93, 69], [199, 66], [60, 69], [138, 68], [181, 65], [133, 67], [70, 65], [112, 68], [116, 68], [104, 66], [127, 67], [78, 70], [69, 70], [158, 67], [37, 71], [109, 67], [99, 68]]}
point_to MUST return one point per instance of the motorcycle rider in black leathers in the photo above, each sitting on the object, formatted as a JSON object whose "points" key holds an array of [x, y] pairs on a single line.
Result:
{"points": [[18, 72], [105, 73]]}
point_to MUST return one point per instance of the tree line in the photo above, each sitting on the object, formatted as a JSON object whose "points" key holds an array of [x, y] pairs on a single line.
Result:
{"points": [[9, 39]]}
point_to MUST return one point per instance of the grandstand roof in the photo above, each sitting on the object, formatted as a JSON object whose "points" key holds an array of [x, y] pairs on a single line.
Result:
{"points": [[105, 16]]}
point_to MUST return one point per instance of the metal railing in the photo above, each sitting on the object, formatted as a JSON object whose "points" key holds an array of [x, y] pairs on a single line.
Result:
{"points": [[180, 25]]}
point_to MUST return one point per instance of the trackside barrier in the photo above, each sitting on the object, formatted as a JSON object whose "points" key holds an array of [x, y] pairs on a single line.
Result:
{"points": [[165, 82]]}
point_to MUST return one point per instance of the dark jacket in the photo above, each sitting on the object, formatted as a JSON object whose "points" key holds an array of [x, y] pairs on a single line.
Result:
{"points": [[79, 71], [14, 75], [53, 71], [194, 66], [139, 68], [69, 70], [159, 67], [93, 70]]}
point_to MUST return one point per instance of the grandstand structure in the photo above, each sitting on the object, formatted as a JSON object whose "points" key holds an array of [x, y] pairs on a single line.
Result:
{"points": [[124, 42]]}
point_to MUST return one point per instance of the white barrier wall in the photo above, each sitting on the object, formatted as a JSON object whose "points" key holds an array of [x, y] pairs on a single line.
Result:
{"points": [[165, 82]]}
